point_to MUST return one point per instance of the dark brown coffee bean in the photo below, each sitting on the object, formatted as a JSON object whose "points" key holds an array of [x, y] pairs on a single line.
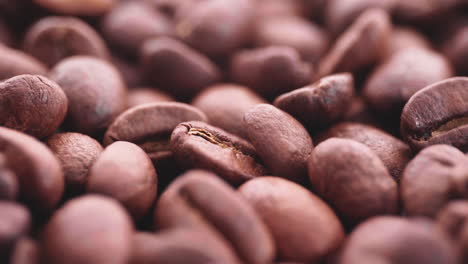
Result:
{"points": [[394, 153], [389, 239], [406, 37], [303, 226], [78, 7], [26, 252], [361, 45], [309, 40], [435, 176], [392, 83], [455, 48], [201, 200], [146, 95], [453, 219], [342, 13], [270, 71], [437, 115], [321, 103], [199, 145], [281, 141], [15, 62], [199, 25], [95, 91], [177, 68], [32, 104], [179, 246], [53, 39], [91, 229], [353, 180], [15, 222], [131, 23], [36, 168], [124, 171], [76, 153], [9, 186], [226, 104]]}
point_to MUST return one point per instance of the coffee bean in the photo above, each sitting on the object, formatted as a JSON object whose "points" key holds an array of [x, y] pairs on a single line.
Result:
{"points": [[53, 39], [423, 11], [406, 37], [9, 186], [270, 71], [15, 62], [226, 104], [361, 45], [26, 252], [78, 7], [177, 246], [353, 180], [360, 112], [38, 172], [455, 49], [95, 91], [308, 39], [76, 153], [145, 95], [435, 176], [128, 25], [278, 8], [177, 68], [453, 219], [303, 226], [436, 115], [91, 229], [199, 199], [321, 103], [198, 25], [199, 145], [389, 239], [394, 153], [15, 221], [124, 171], [129, 71], [280, 140], [399, 77]]}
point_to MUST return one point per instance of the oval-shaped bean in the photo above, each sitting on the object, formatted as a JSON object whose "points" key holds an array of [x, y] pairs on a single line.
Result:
{"points": [[146, 95], [15, 62]]}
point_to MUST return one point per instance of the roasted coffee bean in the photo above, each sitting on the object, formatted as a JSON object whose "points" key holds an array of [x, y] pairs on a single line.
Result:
{"points": [[32, 104], [129, 71], [91, 229], [199, 145], [339, 14], [404, 38], [303, 226], [78, 7], [399, 77], [435, 176], [424, 11], [9, 186], [453, 219], [177, 68], [388, 239], [308, 39], [280, 140], [15, 62], [321, 103], [38, 172], [200, 200], [272, 8], [353, 180], [53, 39], [128, 25], [124, 171], [15, 221], [226, 104], [455, 48], [26, 252], [179, 246], [361, 45], [437, 115], [76, 153], [95, 91], [394, 153], [199, 25], [270, 71], [145, 95]]}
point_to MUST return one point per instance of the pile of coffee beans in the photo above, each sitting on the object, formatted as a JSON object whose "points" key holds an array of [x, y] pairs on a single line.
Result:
{"points": [[233, 131]]}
